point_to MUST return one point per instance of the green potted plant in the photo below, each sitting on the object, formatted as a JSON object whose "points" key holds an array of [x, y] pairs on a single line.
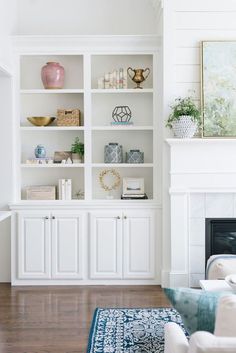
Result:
{"points": [[77, 150], [184, 118]]}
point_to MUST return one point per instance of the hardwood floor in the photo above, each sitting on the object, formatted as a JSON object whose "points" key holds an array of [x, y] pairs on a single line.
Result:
{"points": [[57, 319]]}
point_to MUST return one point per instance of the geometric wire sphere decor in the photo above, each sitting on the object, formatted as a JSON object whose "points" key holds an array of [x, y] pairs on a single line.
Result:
{"points": [[121, 115]]}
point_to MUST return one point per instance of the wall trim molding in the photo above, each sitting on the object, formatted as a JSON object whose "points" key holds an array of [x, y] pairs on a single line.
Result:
{"points": [[171, 278], [202, 172], [85, 206], [178, 279], [200, 141], [202, 190], [71, 43]]}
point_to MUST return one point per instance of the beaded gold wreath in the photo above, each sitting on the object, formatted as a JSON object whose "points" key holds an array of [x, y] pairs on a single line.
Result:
{"points": [[114, 174]]}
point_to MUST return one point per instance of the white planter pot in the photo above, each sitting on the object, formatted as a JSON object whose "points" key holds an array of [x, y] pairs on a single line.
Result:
{"points": [[184, 127], [76, 158]]}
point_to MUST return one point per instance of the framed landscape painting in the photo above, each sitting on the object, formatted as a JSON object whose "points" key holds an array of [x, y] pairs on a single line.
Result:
{"points": [[219, 88]]}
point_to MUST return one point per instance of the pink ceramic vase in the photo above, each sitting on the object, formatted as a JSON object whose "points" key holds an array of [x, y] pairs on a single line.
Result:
{"points": [[52, 75]]}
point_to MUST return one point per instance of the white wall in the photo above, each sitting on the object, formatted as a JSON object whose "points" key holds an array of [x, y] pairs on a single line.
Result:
{"points": [[86, 17], [8, 21], [195, 21], [186, 24], [5, 172]]}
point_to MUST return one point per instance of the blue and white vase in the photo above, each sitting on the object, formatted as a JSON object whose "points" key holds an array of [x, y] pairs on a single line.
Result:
{"points": [[40, 151], [134, 156], [113, 153]]}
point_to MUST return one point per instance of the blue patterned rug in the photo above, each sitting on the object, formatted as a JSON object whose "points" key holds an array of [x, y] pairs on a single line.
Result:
{"points": [[130, 330]]}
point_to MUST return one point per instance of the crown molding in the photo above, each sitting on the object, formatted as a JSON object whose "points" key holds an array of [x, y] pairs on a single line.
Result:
{"points": [[50, 43]]}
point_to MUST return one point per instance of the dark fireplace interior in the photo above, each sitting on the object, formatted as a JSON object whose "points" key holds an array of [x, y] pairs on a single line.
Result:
{"points": [[220, 236]]}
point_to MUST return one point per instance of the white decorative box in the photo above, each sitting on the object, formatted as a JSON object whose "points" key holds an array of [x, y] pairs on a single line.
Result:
{"points": [[41, 193]]}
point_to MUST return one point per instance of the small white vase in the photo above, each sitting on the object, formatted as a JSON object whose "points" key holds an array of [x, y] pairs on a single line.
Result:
{"points": [[76, 158], [185, 127]]}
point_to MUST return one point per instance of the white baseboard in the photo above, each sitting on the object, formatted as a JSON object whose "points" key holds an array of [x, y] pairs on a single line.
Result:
{"points": [[174, 279]]}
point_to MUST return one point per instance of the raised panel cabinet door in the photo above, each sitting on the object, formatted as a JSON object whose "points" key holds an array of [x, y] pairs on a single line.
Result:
{"points": [[139, 244], [105, 245], [34, 250], [67, 245]]}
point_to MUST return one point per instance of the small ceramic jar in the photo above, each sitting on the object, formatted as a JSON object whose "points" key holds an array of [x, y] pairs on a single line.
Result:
{"points": [[52, 75], [40, 151], [113, 153], [134, 156]]}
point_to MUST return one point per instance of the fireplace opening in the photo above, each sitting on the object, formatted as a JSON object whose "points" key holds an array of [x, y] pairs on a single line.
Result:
{"points": [[220, 236]]}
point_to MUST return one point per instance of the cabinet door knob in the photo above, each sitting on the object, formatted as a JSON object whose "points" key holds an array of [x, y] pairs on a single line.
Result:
{"points": [[118, 217], [53, 217], [125, 217], [46, 217]]}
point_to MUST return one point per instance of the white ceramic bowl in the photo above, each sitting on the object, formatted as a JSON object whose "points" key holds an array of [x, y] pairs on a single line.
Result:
{"points": [[231, 280]]}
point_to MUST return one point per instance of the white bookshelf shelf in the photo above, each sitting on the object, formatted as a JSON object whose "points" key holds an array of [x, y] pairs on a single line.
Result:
{"points": [[122, 128], [51, 91], [128, 90], [56, 165], [52, 128], [122, 165]]}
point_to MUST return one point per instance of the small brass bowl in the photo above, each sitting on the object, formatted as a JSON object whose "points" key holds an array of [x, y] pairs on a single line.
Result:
{"points": [[41, 120]]}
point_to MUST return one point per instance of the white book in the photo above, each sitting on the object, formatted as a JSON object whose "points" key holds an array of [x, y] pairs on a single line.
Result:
{"points": [[125, 80], [117, 79], [68, 189], [107, 81], [111, 80], [114, 79], [121, 78], [61, 189], [101, 83]]}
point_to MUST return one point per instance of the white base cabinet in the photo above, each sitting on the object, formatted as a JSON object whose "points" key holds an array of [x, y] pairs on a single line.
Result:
{"points": [[67, 245], [106, 244], [50, 245], [34, 245], [97, 246], [122, 245], [139, 244]]}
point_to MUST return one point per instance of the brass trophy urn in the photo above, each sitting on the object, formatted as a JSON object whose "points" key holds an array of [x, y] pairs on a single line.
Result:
{"points": [[138, 75]]}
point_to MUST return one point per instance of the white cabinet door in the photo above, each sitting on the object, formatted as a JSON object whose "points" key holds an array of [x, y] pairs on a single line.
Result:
{"points": [[67, 245], [34, 245], [106, 245], [139, 244]]}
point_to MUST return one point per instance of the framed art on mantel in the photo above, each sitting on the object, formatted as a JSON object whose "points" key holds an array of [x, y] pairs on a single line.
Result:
{"points": [[219, 88]]}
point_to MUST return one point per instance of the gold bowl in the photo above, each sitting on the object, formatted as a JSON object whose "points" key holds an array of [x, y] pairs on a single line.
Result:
{"points": [[41, 120]]}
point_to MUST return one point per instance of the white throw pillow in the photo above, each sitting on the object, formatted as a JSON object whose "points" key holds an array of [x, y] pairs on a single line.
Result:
{"points": [[225, 325]]}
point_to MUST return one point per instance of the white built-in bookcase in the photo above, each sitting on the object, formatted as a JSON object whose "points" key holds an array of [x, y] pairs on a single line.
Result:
{"points": [[83, 66]]}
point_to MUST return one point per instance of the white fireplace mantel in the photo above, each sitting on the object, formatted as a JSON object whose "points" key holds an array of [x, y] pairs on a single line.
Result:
{"points": [[204, 164], [197, 166]]}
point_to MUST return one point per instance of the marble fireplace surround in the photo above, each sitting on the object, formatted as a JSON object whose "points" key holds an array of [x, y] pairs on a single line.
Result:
{"points": [[202, 185]]}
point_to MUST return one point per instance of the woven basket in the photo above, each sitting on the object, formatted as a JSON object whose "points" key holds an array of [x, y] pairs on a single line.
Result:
{"points": [[68, 117]]}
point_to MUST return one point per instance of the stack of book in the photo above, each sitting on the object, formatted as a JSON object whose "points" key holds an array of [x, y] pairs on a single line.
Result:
{"points": [[65, 189], [116, 79], [134, 196]]}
